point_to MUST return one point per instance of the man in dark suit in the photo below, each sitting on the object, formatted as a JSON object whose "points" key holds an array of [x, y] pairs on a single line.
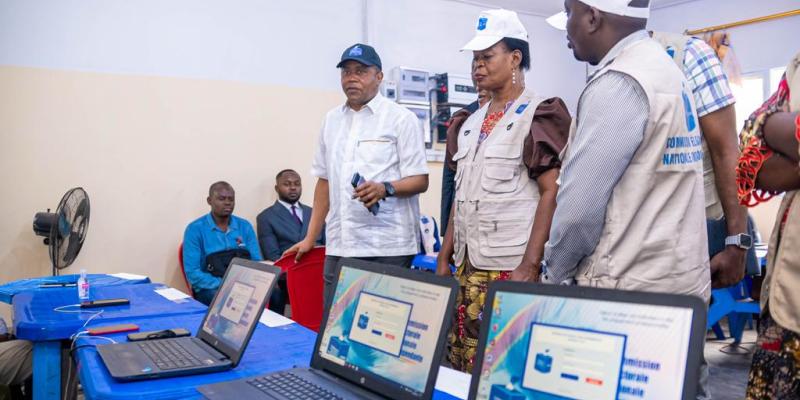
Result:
{"points": [[282, 225]]}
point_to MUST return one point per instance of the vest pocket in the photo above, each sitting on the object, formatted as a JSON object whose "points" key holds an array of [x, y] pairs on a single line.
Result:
{"points": [[504, 227], [500, 178]]}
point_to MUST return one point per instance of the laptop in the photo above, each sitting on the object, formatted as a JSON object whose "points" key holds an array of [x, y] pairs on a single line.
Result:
{"points": [[570, 342], [221, 340], [382, 336]]}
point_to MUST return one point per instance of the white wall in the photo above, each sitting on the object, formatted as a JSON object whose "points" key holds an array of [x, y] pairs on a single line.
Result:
{"points": [[295, 43]]}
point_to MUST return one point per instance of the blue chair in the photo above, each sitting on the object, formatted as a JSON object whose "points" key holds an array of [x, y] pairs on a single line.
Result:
{"points": [[429, 232], [735, 303]]}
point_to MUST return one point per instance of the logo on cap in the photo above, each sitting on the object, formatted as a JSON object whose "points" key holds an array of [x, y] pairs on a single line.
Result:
{"points": [[355, 51], [482, 23]]}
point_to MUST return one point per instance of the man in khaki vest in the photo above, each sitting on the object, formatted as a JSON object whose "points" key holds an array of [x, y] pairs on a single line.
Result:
{"points": [[729, 232], [631, 211]]}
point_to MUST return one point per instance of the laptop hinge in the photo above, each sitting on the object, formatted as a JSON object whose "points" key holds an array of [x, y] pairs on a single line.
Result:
{"points": [[363, 391], [213, 350]]}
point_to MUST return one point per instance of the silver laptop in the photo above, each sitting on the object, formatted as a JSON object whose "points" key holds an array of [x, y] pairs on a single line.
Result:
{"points": [[570, 342], [382, 337], [220, 341]]}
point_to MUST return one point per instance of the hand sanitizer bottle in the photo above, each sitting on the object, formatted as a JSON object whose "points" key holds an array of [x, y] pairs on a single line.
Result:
{"points": [[83, 287]]}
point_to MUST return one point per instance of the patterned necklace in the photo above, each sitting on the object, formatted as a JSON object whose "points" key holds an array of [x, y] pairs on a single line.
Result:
{"points": [[491, 120]]}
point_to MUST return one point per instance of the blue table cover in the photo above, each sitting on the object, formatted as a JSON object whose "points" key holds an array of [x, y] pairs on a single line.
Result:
{"points": [[270, 349], [35, 317], [9, 290]]}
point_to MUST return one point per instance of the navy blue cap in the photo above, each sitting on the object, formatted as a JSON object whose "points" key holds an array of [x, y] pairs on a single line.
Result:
{"points": [[365, 54]]}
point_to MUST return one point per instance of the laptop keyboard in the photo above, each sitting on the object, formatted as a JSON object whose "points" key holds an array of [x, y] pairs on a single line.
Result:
{"points": [[292, 387], [168, 354]]}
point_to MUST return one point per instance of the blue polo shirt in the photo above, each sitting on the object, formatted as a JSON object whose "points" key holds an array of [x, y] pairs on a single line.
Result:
{"points": [[203, 237]]}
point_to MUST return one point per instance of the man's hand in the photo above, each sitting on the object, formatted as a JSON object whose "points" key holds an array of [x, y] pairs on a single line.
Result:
{"points": [[526, 273], [727, 267], [370, 193], [301, 248]]}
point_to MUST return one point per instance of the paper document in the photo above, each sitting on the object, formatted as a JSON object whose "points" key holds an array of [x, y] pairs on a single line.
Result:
{"points": [[452, 382], [130, 277], [172, 294], [273, 319]]}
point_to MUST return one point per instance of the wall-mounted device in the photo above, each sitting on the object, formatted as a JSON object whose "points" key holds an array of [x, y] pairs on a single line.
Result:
{"points": [[453, 92], [412, 85], [423, 113], [389, 90]]}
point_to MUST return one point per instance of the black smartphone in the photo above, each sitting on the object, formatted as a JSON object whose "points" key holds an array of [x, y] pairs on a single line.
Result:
{"points": [[358, 180], [167, 333], [105, 303]]}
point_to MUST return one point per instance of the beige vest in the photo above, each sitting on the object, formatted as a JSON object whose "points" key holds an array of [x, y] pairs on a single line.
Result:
{"points": [[782, 282], [675, 45], [654, 237], [495, 199]]}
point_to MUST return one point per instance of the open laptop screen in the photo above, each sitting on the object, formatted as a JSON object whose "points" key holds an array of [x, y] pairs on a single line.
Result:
{"points": [[548, 347], [385, 325], [237, 306]]}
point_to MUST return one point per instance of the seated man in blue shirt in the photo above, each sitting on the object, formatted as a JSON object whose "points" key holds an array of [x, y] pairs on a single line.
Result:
{"points": [[216, 231]]}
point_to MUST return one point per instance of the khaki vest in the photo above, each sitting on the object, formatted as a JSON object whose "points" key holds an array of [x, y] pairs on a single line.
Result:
{"points": [[654, 237], [782, 282], [495, 199], [675, 45]]}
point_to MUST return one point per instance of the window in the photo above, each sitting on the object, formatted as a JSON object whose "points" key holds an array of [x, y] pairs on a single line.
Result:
{"points": [[749, 96], [756, 87]]}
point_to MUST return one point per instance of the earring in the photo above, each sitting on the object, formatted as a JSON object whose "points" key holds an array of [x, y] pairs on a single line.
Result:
{"points": [[514, 77]]}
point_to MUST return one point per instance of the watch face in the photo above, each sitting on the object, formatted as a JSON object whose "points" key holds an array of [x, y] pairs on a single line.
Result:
{"points": [[746, 240]]}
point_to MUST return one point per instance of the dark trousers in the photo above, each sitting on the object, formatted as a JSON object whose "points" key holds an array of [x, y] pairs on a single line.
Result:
{"points": [[204, 295], [331, 271], [280, 296]]}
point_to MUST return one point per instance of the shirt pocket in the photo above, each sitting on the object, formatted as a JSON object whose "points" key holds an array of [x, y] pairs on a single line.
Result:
{"points": [[376, 151]]}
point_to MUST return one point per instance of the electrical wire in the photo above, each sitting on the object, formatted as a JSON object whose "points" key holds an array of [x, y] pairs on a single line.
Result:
{"points": [[95, 314], [72, 349]]}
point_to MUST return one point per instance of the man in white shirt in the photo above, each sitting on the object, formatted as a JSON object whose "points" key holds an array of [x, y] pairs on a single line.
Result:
{"points": [[383, 143]]}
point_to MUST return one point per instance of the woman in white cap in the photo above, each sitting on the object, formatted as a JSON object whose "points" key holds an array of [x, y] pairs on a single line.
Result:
{"points": [[507, 166]]}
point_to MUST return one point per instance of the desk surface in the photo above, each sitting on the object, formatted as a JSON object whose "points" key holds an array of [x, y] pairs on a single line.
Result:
{"points": [[35, 318], [11, 289], [270, 349]]}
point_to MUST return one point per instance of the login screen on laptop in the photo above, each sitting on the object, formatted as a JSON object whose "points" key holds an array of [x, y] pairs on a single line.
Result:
{"points": [[384, 325], [543, 347], [236, 306]]}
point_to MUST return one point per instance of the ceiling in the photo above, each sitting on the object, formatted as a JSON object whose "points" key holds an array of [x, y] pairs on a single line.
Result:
{"points": [[549, 7]]}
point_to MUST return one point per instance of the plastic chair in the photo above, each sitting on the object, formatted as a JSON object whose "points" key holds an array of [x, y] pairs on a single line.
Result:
{"points": [[305, 285], [735, 303], [183, 271], [429, 240], [429, 235]]}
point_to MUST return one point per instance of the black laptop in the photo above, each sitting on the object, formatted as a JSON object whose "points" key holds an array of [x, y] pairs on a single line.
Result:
{"points": [[381, 337], [570, 342], [220, 341]]}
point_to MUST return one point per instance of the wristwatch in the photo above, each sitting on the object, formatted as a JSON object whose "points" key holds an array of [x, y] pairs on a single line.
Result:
{"points": [[390, 192], [742, 241]]}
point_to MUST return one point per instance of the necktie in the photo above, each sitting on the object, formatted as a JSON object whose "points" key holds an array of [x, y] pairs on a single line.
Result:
{"points": [[294, 212]]}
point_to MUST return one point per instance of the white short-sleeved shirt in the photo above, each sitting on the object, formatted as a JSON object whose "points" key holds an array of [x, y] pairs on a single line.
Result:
{"points": [[383, 142]]}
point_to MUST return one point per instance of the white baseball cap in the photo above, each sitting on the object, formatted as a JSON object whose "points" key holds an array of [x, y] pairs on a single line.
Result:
{"points": [[493, 26], [618, 7]]}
